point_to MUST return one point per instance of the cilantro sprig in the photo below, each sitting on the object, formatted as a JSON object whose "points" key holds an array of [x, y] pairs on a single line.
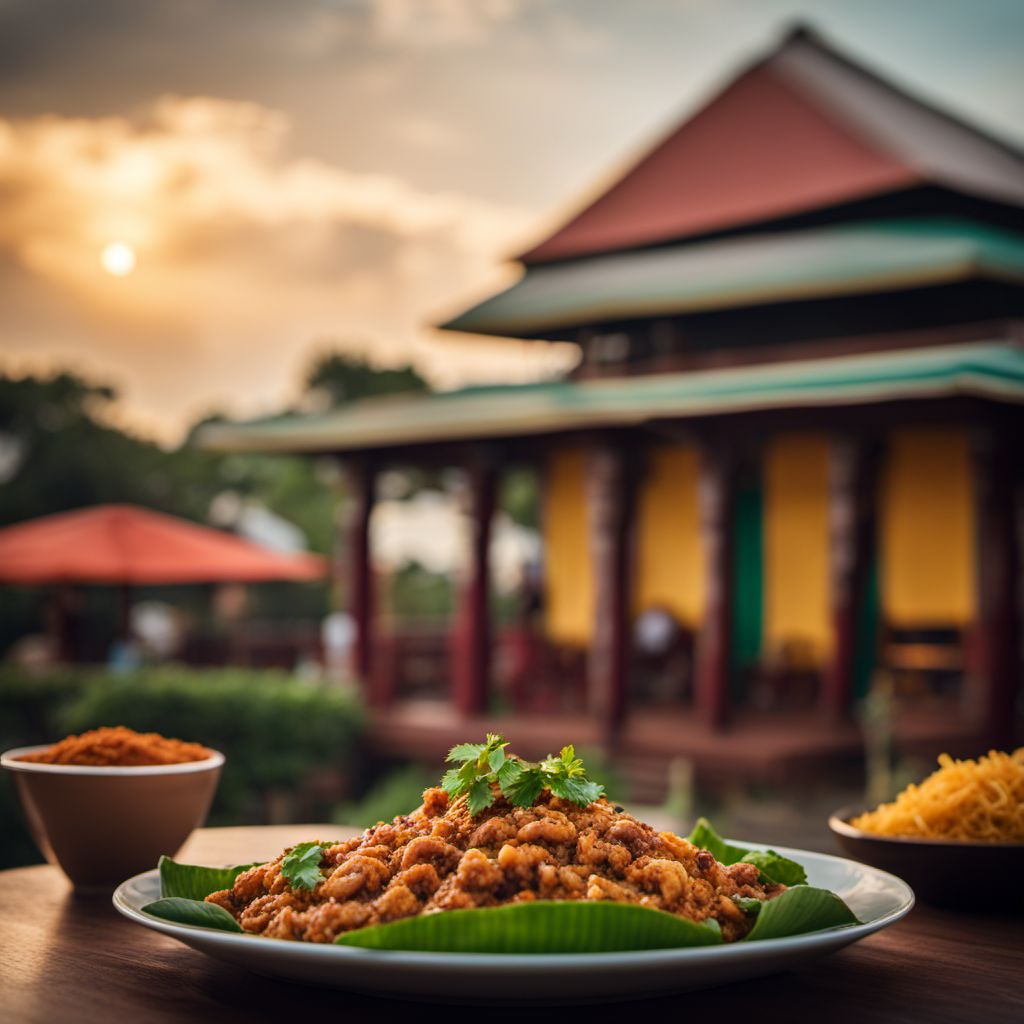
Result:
{"points": [[484, 769], [301, 865]]}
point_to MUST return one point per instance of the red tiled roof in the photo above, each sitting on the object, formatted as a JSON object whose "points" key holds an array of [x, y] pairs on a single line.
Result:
{"points": [[802, 130]]}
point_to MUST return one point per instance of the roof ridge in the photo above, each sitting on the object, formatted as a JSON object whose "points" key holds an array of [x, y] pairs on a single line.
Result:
{"points": [[803, 33]]}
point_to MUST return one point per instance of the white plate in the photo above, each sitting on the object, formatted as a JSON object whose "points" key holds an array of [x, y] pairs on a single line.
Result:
{"points": [[877, 898]]}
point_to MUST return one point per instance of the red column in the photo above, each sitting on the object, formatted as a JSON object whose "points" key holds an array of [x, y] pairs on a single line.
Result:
{"points": [[851, 523], [716, 499], [610, 502], [992, 692], [471, 639], [355, 573]]}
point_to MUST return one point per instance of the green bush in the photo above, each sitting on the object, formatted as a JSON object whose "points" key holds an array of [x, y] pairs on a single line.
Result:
{"points": [[278, 733], [30, 704]]}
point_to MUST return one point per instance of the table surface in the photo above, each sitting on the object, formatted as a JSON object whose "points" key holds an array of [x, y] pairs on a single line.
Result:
{"points": [[74, 958]]}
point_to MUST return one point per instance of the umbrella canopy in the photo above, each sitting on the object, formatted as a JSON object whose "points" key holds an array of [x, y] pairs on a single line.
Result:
{"points": [[124, 544]]}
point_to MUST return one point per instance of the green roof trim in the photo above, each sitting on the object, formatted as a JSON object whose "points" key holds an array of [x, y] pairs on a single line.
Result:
{"points": [[984, 369], [838, 260]]}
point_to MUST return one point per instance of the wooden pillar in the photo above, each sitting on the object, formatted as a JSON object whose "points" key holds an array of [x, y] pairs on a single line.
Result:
{"points": [[993, 690], [355, 573], [716, 496], [610, 504], [852, 515], [471, 638]]}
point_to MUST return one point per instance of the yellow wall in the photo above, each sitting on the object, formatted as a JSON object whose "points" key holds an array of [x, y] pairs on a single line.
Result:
{"points": [[796, 571], [569, 587], [927, 529], [669, 568]]}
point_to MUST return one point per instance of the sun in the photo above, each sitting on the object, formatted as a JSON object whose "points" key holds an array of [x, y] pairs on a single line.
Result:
{"points": [[118, 259]]}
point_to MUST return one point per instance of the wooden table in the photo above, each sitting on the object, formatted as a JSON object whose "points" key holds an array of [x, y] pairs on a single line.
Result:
{"points": [[74, 959]]}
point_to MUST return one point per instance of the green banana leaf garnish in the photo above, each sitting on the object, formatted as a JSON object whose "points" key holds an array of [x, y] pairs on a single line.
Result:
{"points": [[195, 882], [800, 910], [540, 927], [704, 836], [773, 866], [586, 927], [195, 912], [183, 887]]}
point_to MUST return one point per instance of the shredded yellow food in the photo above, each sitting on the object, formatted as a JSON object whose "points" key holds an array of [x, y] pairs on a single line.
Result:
{"points": [[967, 800]]}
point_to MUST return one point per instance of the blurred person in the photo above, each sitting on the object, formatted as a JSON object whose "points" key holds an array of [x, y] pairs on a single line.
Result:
{"points": [[338, 635]]}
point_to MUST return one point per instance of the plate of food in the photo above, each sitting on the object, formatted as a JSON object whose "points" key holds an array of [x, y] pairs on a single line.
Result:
{"points": [[966, 820], [515, 881]]}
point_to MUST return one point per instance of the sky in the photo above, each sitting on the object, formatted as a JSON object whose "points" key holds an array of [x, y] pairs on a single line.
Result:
{"points": [[299, 176]]}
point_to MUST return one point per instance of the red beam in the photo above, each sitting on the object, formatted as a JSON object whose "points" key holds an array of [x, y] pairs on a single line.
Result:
{"points": [[852, 517], [716, 498], [355, 573], [993, 690], [471, 637], [610, 486]]}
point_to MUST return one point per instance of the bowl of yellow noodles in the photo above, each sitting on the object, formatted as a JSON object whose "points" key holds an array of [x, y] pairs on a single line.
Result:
{"points": [[957, 836]]}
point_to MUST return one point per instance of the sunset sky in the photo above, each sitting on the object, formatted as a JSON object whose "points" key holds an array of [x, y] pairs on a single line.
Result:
{"points": [[197, 195]]}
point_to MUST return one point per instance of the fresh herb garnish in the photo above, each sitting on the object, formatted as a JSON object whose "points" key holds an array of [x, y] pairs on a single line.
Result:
{"points": [[484, 766], [301, 865]]}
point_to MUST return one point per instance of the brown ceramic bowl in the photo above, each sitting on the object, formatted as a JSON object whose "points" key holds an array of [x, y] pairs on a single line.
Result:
{"points": [[101, 825], [955, 874]]}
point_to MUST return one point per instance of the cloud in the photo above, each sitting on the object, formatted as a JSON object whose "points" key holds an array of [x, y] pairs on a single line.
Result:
{"points": [[248, 255], [445, 22]]}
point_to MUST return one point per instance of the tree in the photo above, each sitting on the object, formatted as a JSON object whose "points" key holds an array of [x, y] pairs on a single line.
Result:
{"points": [[341, 378], [57, 454]]}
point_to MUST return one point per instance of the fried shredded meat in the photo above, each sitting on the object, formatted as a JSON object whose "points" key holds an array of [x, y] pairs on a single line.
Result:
{"points": [[119, 747], [441, 858]]}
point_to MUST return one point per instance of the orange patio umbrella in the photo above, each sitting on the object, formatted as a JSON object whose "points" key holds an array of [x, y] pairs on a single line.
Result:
{"points": [[132, 546]]}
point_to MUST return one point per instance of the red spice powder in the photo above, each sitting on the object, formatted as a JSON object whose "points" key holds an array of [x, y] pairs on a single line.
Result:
{"points": [[119, 747]]}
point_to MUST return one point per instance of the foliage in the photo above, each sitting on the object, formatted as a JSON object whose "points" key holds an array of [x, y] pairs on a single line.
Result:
{"points": [[274, 730], [543, 926], [417, 593], [181, 910], [66, 457], [341, 378], [773, 866], [301, 865], [31, 705], [195, 883], [396, 793], [520, 496], [57, 453], [484, 766]]}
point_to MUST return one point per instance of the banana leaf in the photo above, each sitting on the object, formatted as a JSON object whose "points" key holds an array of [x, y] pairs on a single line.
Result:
{"points": [[540, 927], [194, 881], [183, 888], [773, 866], [585, 927], [194, 912], [800, 910]]}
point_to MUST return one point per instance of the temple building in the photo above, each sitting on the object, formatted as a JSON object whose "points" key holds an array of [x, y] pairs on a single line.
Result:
{"points": [[788, 462]]}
